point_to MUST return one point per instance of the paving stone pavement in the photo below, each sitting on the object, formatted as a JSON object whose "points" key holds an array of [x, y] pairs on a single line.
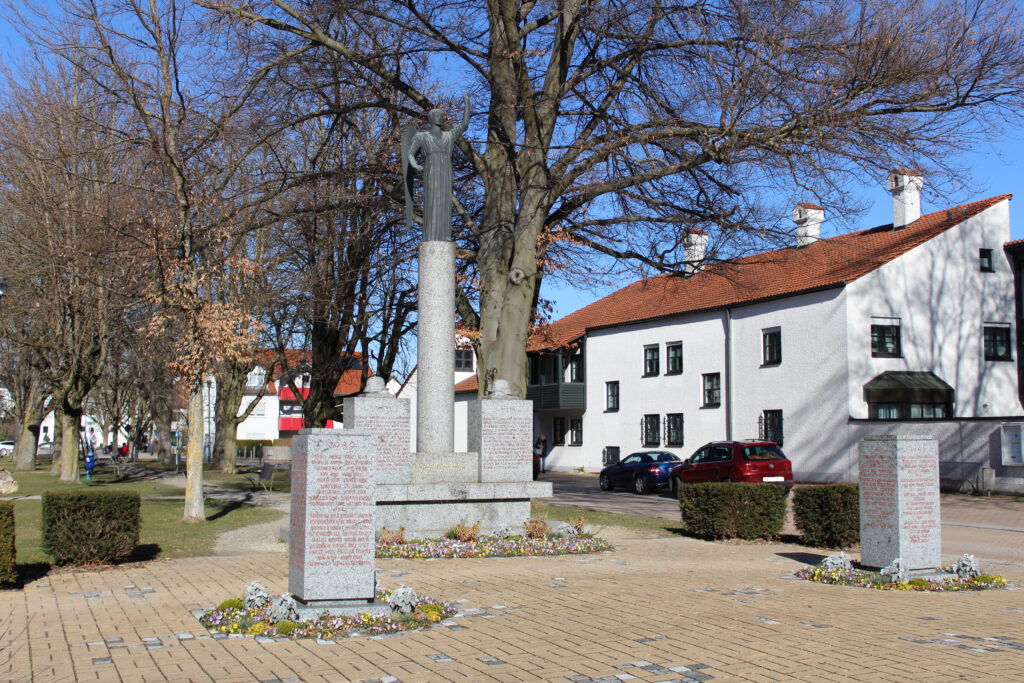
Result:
{"points": [[670, 609]]}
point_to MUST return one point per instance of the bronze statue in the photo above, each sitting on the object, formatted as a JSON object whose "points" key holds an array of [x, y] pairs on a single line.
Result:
{"points": [[436, 147]]}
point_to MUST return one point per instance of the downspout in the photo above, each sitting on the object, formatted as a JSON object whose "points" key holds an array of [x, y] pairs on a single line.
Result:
{"points": [[728, 373]]}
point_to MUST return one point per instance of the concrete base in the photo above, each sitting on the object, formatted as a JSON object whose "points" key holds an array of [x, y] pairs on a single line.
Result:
{"points": [[340, 608], [429, 510]]}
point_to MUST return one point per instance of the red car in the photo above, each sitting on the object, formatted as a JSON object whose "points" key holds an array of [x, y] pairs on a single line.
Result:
{"points": [[753, 461]]}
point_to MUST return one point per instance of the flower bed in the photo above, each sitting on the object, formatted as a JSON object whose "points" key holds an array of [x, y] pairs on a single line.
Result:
{"points": [[231, 617], [864, 579], [493, 547]]}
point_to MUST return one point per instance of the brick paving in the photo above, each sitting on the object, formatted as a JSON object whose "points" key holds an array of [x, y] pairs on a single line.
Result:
{"points": [[670, 609]]}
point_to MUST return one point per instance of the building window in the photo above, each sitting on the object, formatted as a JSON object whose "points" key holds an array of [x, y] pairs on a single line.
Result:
{"points": [[651, 430], [908, 411], [772, 346], [997, 341], [576, 431], [674, 358], [885, 338], [652, 362], [712, 390], [558, 431], [611, 396], [985, 259], [770, 427], [575, 368], [674, 424], [464, 360]]}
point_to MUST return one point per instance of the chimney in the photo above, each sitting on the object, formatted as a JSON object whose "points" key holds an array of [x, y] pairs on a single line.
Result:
{"points": [[808, 218], [696, 243], [905, 187]]}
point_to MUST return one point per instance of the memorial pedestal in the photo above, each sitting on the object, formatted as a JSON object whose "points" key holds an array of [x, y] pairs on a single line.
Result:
{"points": [[331, 534], [899, 501]]}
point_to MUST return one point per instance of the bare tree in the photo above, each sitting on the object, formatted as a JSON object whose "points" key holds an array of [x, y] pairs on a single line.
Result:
{"points": [[619, 125], [20, 375]]}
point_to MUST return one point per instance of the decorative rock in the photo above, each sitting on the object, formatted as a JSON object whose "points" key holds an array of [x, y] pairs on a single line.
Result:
{"points": [[282, 608], [404, 600], [256, 596], [508, 531], [840, 562], [375, 387], [564, 529], [896, 570], [966, 567], [7, 483], [500, 388]]}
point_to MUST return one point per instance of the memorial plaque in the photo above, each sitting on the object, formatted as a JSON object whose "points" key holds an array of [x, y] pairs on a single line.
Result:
{"points": [[899, 501], [331, 554], [501, 431], [387, 418]]}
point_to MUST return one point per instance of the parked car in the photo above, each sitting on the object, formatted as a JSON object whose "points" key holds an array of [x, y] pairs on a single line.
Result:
{"points": [[45, 450], [752, 461], [641, 472], [6, 448]]}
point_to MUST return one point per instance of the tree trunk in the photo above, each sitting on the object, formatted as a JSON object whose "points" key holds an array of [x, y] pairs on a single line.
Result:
{"points": [[58, 439], [195, 509], [164, 452], [25, 447], [229, 462], [72, 421]]}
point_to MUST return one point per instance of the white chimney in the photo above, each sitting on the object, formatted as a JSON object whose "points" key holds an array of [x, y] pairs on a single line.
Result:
{"points": [[808, 218], [696, 243], [905, 187]]}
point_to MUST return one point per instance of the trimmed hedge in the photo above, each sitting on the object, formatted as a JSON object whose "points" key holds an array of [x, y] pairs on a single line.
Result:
{"points": [[91, 527], [8, 573], [732, 510], [828, 516]]}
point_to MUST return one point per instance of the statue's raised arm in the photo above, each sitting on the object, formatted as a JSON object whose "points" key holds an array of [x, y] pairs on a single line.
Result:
{"points": [[467, 111]]}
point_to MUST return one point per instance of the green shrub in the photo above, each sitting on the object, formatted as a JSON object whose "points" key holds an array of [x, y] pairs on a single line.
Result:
{"points": [[732, 510], [233, 603], [285, 628], [8, 574], [918, 583], [90, 527], [828, 516]]}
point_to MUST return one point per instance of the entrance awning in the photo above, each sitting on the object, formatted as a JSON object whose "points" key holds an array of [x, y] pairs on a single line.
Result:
{"points": [[908, 387]]}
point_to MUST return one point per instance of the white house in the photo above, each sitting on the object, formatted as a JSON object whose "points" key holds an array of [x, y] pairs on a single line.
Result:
{"points": [[907, 328]]}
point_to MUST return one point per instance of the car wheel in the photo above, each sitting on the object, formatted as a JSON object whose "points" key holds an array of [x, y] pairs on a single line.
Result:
{"points": [[673, 483], [604, 482], [639, 486]]}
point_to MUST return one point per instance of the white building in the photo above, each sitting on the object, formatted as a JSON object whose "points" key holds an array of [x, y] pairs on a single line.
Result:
{"points": [[904, 328]]}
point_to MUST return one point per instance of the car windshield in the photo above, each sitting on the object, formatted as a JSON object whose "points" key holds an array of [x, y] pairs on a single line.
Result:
{"points": [[667, 457], [763, 453]]}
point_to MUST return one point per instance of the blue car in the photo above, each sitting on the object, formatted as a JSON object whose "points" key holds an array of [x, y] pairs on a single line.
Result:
{"points": [[642, 472]]}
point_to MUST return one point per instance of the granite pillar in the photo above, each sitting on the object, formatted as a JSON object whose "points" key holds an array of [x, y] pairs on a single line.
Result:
{"points": [[435, 405], [331, 534], [899, 501]]}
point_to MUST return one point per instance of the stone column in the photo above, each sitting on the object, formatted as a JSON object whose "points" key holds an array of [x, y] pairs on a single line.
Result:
{"points": [[899, 501], [435, 389]]}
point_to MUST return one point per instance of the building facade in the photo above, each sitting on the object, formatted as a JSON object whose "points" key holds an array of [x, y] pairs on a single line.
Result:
{"points": [[904, 328]]}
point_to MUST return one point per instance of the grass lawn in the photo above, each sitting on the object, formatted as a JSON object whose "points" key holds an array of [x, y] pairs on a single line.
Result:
{"points": [[35, 483], [163, 533], [653, 525]]}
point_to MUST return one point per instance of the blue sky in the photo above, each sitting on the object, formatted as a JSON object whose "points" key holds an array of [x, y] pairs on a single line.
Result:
{"points": [[996, 167]]}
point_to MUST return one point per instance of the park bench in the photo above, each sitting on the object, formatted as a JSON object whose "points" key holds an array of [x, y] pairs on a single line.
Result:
{"points": [[266, 478]]}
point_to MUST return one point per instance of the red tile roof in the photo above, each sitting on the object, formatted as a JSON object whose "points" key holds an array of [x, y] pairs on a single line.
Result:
{"points": [[1013, 243], [827, 263], [467, 385]]}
